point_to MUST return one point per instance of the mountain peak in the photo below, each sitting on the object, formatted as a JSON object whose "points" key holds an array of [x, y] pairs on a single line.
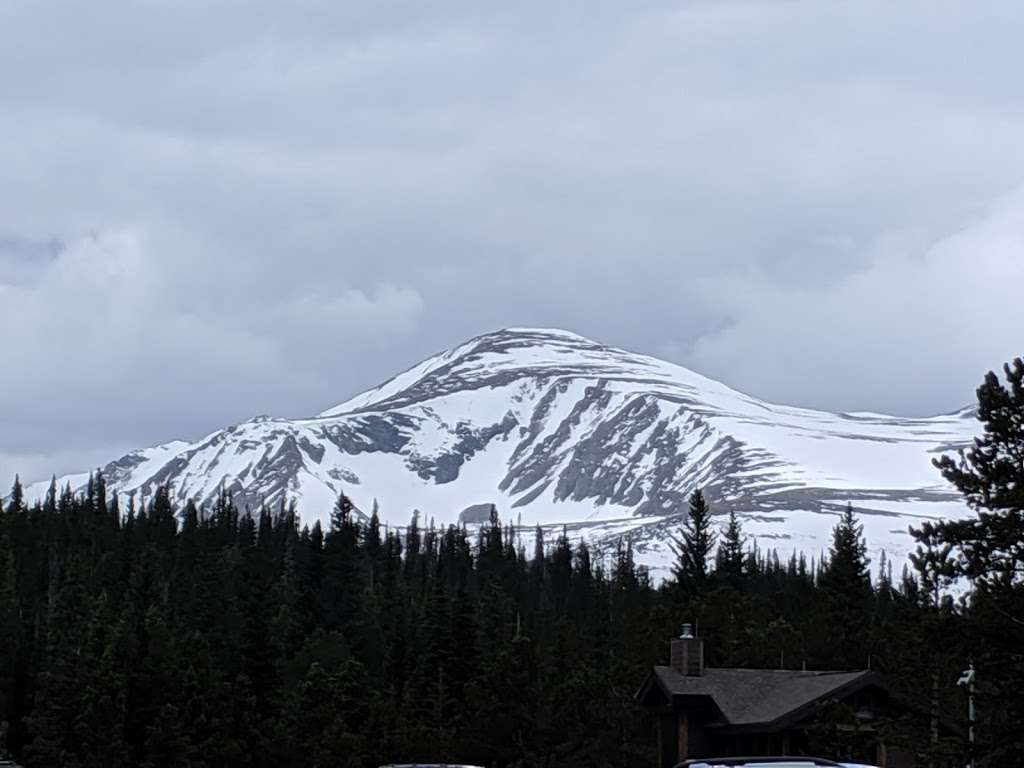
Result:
{"points": [[498, 347], [507, 339], [538, 335], [563, 431], [494, 359]]}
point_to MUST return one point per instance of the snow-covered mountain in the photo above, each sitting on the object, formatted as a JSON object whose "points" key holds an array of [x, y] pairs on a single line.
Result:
{"points": [[556, 429]]}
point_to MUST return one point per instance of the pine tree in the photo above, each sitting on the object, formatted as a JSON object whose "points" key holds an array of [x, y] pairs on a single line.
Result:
{"points": [[990, 475], [884, 573], [693, 547], [989, 550], [538, 570], [373, 545], [624, 575], [16, 502], [846, 575], [560, 571], [291, 619], [846, 582], [341, 591], [730, 561], [935, 567]]}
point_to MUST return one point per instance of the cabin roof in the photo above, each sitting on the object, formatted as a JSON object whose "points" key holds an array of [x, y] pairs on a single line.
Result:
{"points": [[755, 697]]}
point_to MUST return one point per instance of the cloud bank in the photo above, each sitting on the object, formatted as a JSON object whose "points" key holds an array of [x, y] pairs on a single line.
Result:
{"points": [[219, 210]]}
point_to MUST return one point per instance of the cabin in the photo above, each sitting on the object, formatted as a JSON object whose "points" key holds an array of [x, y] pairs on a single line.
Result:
{"points": [[715, 712]]}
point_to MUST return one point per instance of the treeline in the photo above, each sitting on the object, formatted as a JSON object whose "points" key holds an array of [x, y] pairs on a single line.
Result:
{"points": [[182, 636]]}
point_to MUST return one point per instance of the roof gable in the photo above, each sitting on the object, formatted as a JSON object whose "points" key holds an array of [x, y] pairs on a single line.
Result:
{"points": [[652, 693], [763, 697]]}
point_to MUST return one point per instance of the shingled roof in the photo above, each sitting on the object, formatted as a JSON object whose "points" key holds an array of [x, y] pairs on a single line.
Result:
{"points": [[758, 697]]}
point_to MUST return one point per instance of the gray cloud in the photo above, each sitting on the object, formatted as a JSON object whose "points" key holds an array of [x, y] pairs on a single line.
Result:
{"points": [[22, 260], [259, 210]]}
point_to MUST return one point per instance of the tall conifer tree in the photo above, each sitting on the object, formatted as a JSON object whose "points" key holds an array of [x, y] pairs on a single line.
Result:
{"points": [[730, 561], [694, 546]]}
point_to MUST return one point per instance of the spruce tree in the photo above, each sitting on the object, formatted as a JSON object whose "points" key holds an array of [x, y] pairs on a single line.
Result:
{"points": [[846, 574], [342, 589], [538, 568], [560, 570], [373, 545], [846, 583], [730, 561], [693, 547], [16, 502]]}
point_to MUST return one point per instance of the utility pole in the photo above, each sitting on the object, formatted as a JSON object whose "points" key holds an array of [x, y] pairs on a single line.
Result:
{"points": [[967, 679]]}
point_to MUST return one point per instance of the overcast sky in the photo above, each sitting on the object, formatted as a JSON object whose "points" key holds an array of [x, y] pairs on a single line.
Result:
{"points": [[211, 210]]}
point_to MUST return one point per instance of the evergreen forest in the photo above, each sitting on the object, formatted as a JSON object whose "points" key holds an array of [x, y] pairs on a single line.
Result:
{"points": [[165, 634]]}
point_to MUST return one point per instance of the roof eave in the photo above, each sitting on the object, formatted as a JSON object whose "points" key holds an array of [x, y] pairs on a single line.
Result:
{"points": [[865, 679]]}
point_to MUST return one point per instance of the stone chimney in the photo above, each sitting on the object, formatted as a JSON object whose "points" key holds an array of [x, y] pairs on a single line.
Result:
{"points": [[687, 656]]}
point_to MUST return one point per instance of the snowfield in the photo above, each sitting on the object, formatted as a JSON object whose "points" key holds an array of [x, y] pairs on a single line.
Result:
{"points": [[558, 430]]}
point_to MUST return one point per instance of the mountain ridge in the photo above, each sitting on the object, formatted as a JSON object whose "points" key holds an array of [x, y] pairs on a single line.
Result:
{"points": [[558, 429]]}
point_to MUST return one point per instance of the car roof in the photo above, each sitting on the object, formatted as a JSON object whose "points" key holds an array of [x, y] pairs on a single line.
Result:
{"points": [[750, 762]]}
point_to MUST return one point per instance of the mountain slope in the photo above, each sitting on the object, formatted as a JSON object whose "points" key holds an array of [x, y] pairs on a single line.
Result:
{"points": [[560, 430]]}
